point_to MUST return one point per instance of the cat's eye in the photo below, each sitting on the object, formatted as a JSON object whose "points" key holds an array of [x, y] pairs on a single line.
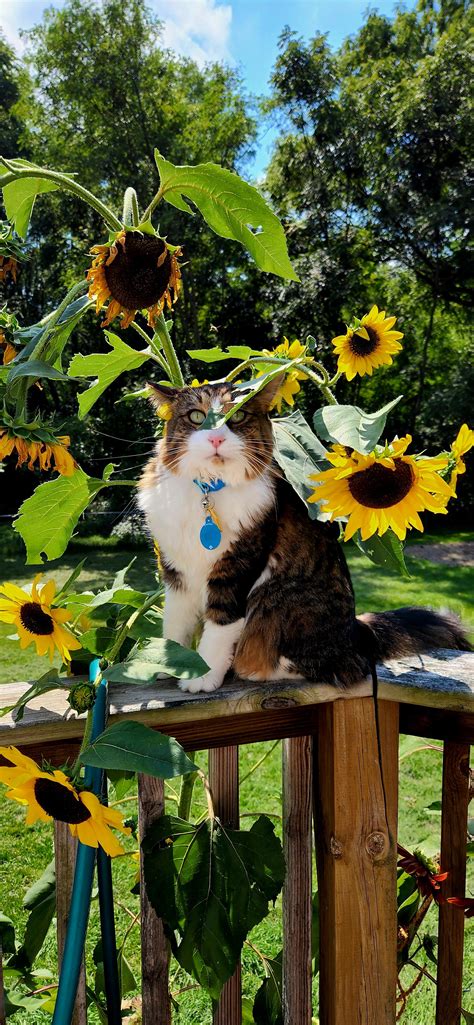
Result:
{"points": [[238, 416], [197, 416]]}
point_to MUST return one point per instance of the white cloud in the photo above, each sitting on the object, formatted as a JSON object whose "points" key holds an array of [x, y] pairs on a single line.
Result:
{"points": [[197, 28]]}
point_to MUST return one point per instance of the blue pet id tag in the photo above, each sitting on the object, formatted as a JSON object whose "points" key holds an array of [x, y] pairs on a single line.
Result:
{"points": [[210, 535]]}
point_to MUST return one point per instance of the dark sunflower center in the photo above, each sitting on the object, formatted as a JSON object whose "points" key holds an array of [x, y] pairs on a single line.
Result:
{"points": [[35, 620], [134, 278], [364, 346], [58, 801], [379, 487]]}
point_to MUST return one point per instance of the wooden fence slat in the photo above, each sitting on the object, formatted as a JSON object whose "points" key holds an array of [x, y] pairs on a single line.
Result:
{"points": [[224, 783], [155, 951], [356, 857], [65, 849], [297, 845], [455, 802]]}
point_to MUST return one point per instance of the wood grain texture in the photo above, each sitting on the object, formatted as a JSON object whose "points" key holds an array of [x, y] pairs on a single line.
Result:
{"points": [[455, 803], [443, 680], [65, 850], [224, 783], [356, 858], [155, 951], [297, 890]]}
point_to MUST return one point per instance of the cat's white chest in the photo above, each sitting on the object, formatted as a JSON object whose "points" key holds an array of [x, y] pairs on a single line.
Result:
{"points": [[175, 515]]}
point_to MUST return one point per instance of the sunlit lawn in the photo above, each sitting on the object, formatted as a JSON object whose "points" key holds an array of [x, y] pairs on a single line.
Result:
{"points": [[24, 853]]}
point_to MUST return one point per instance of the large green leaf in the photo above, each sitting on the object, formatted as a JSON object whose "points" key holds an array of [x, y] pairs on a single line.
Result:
{"points": [[40, 901], [28, 337], [158, 656], [211, 886], [133, 747], [231, 208], [351, 426], [267, 1008], [386, 551], [19, 197], [299, 453], [105, 368], [36, 368], [7, 934], [216, 355], [47, 519]]}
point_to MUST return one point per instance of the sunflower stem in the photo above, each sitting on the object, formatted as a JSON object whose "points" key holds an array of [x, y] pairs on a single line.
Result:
{"points": [[176, 375], [131, 620], [186, 791], [63, 182], [77, 765], [131, 214], [153, 205], [323, 387], [155, 353]]}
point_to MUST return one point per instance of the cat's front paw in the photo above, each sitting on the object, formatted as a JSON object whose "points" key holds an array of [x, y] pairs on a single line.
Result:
{"points": [[208, 683]]}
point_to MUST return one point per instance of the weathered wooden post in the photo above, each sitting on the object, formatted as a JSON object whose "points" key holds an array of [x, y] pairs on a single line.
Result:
{"points": [[297, 896], [155, 951], [356, 823], [224, 783]]}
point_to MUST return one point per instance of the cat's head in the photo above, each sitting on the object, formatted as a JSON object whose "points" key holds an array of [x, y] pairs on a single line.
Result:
{"points": [[235, 452]]}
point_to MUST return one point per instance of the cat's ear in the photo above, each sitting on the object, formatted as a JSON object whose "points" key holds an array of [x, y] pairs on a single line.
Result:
{"points": [[262, 401], [163, 398]]}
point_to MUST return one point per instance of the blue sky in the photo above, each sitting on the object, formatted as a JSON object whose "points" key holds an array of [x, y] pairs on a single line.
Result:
{"points": [[242, 32]]}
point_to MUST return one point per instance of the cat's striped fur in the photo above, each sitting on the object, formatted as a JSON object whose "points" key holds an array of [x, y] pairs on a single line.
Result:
{"points": [[275, 598]]}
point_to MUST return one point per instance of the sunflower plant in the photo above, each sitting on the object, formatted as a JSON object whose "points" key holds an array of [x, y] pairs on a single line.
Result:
{"points": [[344, 466]]}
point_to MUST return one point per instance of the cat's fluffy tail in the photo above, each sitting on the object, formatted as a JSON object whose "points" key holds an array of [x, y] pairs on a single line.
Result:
{"points": [[412, 630]]}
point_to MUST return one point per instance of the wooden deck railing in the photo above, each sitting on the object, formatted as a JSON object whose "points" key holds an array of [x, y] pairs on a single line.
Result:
{"points": [[331, 766]]}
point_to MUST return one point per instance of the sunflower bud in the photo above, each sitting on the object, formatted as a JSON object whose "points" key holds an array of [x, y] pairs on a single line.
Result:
{"points": [[82, 697]]}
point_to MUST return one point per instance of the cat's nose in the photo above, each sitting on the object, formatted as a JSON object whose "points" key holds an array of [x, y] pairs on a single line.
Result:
{"points": [[216, 442]]}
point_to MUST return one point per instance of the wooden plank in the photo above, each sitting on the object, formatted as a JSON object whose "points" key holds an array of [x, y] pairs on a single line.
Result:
{"points": [[155, 951], [297, 845], [453, 860], [356, 816], [437, 724], [444, 680], [65, 850], [224, 783]]}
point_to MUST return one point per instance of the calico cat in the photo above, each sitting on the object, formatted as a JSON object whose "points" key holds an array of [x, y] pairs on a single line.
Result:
{"points": [[272, 590]]}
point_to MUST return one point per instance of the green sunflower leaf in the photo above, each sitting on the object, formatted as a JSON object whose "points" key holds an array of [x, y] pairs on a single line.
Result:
{"points": [[47, 519], [216, 355], [231, 208], [40, 901], [105, 368], [211, 886], [158, 655], [19, 199], [386, 551], [133, 747], [299, 453], [351, 426]]}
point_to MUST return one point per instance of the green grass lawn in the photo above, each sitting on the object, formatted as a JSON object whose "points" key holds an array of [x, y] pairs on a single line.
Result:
{"points": [[24, 853]]}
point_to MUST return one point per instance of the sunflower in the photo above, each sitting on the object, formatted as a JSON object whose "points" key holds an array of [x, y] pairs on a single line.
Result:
{"points": [[459, 447], [290, 386], [36, 620], [8, 265], [136, 271], [51, 795], [368, 345], [9, 350], [34, 451], [383, 490]]}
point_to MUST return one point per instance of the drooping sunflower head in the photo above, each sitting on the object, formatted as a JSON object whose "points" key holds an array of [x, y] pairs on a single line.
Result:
{"points": [[8, 268], [35, 450], [369, 344], [37, 620], [289, 386], [52, 796], [136, 271], [8, 350], [386, 489]]}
